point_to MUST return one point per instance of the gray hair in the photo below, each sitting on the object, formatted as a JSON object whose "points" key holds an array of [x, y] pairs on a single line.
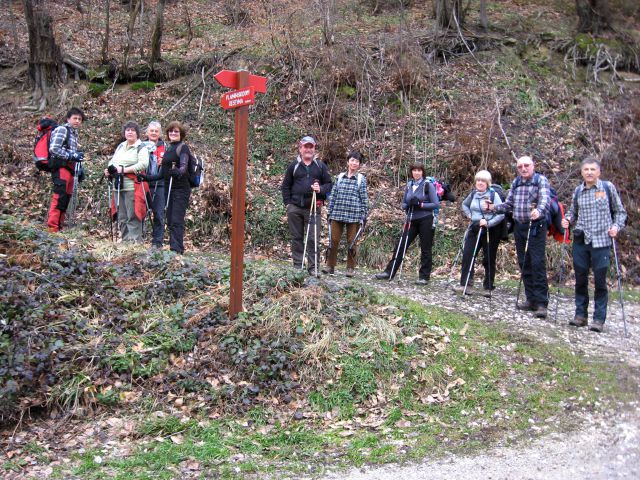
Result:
{"points": [[589, 160], [484, 176], [154, 123]]}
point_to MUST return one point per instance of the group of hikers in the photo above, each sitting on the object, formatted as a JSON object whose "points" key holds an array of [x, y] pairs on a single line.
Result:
{"points": [[153, 175], [596, 214], [144, 176]]}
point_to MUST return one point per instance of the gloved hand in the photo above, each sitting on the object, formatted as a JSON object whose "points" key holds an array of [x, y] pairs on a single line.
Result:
{"points": [[81, 175], [76, 156], [174, 172], [113, 170], [141, 177], [414, 202]]}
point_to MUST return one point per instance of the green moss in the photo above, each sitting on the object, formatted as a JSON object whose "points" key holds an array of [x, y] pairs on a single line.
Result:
{"points": [[147, 86]]}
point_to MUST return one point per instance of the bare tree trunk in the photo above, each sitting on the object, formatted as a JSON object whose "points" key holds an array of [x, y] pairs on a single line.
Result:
{"points": [[593, 16], [130, 31], [107, 32], [46, 67], [447, 12], [156, 37], [484, 21], [327, 10]]}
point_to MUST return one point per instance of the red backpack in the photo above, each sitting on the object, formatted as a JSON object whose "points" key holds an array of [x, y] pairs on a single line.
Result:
{"points": [[41, 145]]}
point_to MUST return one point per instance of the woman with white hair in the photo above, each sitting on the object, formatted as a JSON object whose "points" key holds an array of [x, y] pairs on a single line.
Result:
{"points": [[155, 146], [481, 222]]}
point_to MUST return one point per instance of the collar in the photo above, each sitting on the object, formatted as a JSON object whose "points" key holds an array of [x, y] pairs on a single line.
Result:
{"points": [[598, 185]]}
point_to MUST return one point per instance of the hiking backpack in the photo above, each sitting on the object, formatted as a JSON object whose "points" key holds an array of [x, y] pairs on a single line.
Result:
{"points": [[443, 190], [555, 212], [359, 178], [41, 145], [195, 168]]}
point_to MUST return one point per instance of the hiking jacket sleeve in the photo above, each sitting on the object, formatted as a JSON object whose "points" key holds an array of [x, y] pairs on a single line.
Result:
{"points": [[364, 198], [619, 213], [183, 161], [466, 204], [495, 218], [572, 214], [544, 195], [62, 146], [287, 182]]}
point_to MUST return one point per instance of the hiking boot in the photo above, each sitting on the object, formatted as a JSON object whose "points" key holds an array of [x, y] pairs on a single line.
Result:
{"points": [[541, 311], [328, 271], [460, 288], [312, 272], [382, 276], [422, 281], [486, 292], [596, 326], [350, 272], [578, 321], [526, 305]]}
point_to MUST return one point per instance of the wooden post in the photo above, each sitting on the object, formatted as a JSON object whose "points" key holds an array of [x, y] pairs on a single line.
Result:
{"points": [[238, 199]]}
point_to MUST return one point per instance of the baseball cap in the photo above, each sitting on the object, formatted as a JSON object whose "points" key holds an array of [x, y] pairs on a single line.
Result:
{"points": [[307, 139]]}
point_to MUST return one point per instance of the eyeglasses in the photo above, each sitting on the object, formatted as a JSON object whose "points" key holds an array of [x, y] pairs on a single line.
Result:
{"points": [[308, 145], [174, 131], [525, 165]]}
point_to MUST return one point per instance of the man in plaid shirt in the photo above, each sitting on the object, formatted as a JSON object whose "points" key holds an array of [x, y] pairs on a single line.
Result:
{"points": [[598, 215], [529, 199], [63, 155]]}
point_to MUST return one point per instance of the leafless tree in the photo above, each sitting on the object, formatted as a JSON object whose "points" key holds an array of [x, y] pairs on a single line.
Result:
{"points": [[594, 16], [484, 21], [133, 14], [447, 12], [46, 66], [156, 36], [327, 9], [107, 26]]}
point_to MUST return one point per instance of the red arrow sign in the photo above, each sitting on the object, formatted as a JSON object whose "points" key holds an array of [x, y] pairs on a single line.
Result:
{"points": [[229, 79], [238, 98]]}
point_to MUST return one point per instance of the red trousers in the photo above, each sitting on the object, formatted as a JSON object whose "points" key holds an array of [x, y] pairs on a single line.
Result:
{"points": [[62, 189]]}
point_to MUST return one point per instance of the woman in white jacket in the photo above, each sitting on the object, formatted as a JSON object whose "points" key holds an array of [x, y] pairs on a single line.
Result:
{"points": [[129, 160], [481, 221]]}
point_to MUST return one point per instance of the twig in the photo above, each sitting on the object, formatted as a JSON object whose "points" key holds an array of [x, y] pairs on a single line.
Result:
{"points": [[506, 139], [455, 17], [204, 87]]}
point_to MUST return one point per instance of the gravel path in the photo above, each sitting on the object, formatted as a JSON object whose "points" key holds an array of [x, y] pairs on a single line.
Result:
{"points": [[606, 446]]}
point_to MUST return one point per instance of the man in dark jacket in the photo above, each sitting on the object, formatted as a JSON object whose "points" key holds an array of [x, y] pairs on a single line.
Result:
{"points": [[302, 179], [63, 156]]}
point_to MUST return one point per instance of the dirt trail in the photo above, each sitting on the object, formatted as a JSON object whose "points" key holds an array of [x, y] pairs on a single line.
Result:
{"points": [[605, 446]]}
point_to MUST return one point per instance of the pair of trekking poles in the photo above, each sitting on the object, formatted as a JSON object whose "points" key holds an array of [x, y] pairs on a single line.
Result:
{"points": [[313, 214]]}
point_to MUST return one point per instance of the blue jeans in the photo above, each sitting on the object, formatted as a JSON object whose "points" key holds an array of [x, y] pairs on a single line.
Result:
{"points": [[584, 258]]}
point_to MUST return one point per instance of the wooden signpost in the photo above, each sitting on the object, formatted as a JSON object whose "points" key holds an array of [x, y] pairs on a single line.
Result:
{"points": [[245, 85]]}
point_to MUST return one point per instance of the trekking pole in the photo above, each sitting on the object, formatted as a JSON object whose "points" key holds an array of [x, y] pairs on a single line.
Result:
{"points": [[406, 244], [118, 180], [488, 273], [563, 253], [71, 210], [357, 236], [473, 261], [395, 257], [306, 240], [328, 251], [619, 276], [524, 260], [109, 198], [316, 239]]}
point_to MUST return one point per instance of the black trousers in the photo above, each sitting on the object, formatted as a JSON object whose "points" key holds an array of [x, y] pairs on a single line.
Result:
{"points": [[178, 203], [533, 264], [157, 207], [489, 249], [424, 228]]}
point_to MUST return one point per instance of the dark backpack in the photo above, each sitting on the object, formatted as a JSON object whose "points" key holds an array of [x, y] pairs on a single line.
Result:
{"points": [[41, 155], [555, 212], [443, 190], [195, 168]]}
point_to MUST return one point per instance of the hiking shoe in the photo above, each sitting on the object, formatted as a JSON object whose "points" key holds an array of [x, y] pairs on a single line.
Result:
{"points": [[541, 311], [460, 288], [486, 292], [526, 305], [328, 271], [349, 273], [422, 281], [382, 276], [596, 326], [578, 321]]}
